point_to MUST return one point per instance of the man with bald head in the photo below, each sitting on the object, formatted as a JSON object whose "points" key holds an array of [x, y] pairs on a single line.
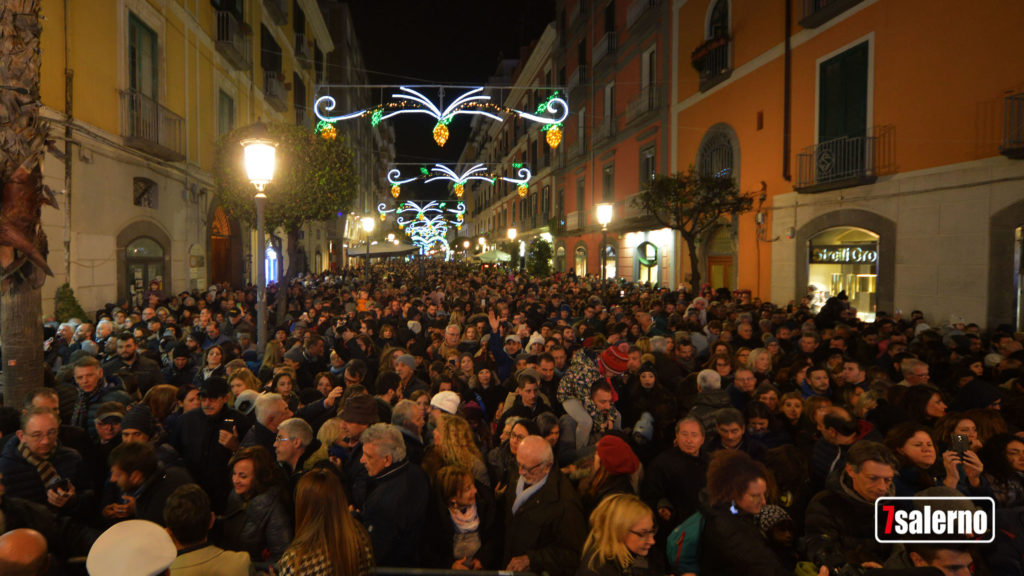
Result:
{"points": [[544, 522], [23, 552]]}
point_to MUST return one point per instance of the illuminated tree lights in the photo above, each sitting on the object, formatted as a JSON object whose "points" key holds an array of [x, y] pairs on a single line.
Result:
{"points": [[475, 172], [552, 112]]}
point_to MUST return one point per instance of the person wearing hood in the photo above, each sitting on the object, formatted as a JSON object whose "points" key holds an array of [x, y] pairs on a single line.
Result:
{"points": [[840, 519], [181, 370]]}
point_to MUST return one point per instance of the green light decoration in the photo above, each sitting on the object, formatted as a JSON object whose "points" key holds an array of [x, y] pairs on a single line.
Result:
{"points": [[376, 117], [424, 170]]}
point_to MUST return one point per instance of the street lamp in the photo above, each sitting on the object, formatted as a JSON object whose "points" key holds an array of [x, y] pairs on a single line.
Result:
{"points": [[368, 223], [483, 243], [260, 155], [604, 217]]}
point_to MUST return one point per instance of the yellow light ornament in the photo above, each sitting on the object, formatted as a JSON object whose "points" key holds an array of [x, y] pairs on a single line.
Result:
{"points": [[440, 134], [459, 189], [329, 132], [554, 136], [522, 189], [395, 190], [383, 216]]}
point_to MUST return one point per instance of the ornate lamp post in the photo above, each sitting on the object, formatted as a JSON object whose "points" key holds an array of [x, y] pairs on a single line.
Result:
{"points": [[368, 223], [604, 217], [260, 156]]}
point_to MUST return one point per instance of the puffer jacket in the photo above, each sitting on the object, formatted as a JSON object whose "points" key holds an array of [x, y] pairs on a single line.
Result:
{"points": [[839, 518], [261, 525], [21, 480]]}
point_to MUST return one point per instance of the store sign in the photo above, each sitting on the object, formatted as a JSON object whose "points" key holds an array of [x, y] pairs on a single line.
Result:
{"points": [[844, 254], [648, 254]]}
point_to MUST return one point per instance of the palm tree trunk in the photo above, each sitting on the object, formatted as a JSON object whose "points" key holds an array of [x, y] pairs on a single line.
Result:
{"points": [[22, 241]]}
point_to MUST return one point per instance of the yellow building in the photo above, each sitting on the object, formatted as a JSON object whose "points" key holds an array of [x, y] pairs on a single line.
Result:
{"points": [[137, 92]]}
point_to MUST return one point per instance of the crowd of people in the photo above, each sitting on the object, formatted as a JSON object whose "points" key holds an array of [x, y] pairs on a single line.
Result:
{"points": [[478, 419]]}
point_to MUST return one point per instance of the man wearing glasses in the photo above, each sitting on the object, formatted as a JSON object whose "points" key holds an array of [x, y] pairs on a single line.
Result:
{"points": [[544, 523], [38, 469]]}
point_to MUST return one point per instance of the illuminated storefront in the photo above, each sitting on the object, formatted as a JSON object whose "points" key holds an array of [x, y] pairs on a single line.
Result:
{"points": [[844, 259]]}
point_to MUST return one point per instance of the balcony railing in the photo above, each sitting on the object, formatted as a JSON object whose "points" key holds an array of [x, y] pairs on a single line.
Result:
{"points": [[152, 128], [577, 78], [711, 60], [274, 91], [814, 13], [1013, 126], [232, 41], [277, 10], [845, 162], [605, 46], [648, 100], [604, 130], [638, 9], [303, 50]]}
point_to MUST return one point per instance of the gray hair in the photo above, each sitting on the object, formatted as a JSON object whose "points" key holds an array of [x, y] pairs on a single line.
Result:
{"points": [[388, 440], [659, 344], [266, 405], [708, 380], [404, 413], [298, 428]]}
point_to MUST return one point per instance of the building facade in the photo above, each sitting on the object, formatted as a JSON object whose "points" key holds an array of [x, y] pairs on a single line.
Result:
{"points": [[881, 140], [138, 92]]}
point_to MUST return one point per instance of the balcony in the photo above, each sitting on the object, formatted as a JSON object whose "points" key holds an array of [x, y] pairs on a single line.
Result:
{"points": [[233, 41], [274, 90], [605, 46], [577, 79], [814, 13], [277, 10], [647, 101], [845, 162], [638, 9], [605, 130], [303, 50], [711, 60], [1013, 127], [152, 128]]}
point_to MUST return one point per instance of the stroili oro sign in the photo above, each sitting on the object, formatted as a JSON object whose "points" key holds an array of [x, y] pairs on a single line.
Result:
{"points": [[845, 254]]}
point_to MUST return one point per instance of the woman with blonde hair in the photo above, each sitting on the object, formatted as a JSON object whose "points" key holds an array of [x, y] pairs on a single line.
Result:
{"points": [[328, 540], [273, 355], [454, 446], [622, 532], [241, 380]]}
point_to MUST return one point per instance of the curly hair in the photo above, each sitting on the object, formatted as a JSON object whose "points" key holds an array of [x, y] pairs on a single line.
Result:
{"points": [[456, 444], [730, 474]]}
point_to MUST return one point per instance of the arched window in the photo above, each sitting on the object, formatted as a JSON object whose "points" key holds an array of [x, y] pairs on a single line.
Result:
{"points": [[718, 21], [610, 260], [715, 157], [560, 259], [144, 262], [581, 260]]}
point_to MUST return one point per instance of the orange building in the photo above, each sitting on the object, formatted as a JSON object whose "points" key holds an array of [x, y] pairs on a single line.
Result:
{"points": [[882, 141]]}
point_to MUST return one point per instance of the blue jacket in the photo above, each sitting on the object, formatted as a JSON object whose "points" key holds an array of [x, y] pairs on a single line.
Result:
{"points": [[395, 513], [21, 480]]}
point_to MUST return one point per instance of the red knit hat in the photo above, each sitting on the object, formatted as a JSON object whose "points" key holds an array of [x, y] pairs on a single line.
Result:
{"points": [[614, 360], [616, 456]]}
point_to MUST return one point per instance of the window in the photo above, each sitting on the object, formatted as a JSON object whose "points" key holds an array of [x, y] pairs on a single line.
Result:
{"points": [[718, 23], [318, 63], [716, 154], [581, 126], [843, 94], [609, 102], [580, 193], [581, 260], [225, 114], [142, 58], [299, 99], [270, 52], [648, 167], [298, 18], [609, 16], [144, 193], [649, 69], [608, 187]]}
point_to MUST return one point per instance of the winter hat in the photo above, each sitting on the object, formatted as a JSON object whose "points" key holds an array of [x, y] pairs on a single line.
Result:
{"points": [[360, 410], [131, 548], [614, 360], [407, 359], [446, 401], [648, 367], [772, 516], [112, 410], [513, 338], [536, 338], [140, 418], [294, 354], [616, 456], [414, 326], [246, 401], [992, 360]]}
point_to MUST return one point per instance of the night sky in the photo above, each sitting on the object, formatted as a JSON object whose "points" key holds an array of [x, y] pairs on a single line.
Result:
{"points": [[456, 42]]}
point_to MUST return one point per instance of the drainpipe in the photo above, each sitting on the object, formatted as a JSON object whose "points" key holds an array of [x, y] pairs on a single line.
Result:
{"points": [[787, 98], [69, 79]]}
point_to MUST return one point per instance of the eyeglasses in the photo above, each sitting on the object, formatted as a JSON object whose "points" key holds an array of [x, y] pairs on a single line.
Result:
{"points": [[51, 434], [281, 438], [529, 469], [645, 534]]}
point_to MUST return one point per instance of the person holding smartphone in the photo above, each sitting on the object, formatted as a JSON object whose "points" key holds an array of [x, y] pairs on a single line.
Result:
{"points": [[37, 468]]}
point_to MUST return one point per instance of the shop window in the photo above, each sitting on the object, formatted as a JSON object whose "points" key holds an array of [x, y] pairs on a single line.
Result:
{"points": [[610, 260], [844, 259], [581, 260]]}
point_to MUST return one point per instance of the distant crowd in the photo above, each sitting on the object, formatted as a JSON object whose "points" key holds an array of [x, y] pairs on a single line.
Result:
{"points": [[469, 418]]}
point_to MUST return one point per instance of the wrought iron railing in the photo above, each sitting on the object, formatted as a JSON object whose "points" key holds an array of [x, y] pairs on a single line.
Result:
{"points": [[648, 100], [232, 41], [273, 90], [1013, 126], [151, 127], [638, 8], [711, 60], [605, 46], [846, 161]]}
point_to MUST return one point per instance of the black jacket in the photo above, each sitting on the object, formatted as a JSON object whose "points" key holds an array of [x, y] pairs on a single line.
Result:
{"points": [[549, 527], [838, 516], [65, 538], [439, 537], [146, 371], [674, 479], [732, 544], [395, 513], [205, 458], [154, 492], [261, 524], [21, 479], [259, 435]]}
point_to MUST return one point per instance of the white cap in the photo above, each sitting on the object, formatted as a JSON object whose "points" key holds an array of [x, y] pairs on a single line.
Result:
{"points": [[131, 548]]}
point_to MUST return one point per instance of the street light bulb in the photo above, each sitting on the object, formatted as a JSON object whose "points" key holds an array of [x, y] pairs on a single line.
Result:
{"points": [[482, 241], [368, 224], [604, 214], [512, 233], [260, 153], [465, 244]]}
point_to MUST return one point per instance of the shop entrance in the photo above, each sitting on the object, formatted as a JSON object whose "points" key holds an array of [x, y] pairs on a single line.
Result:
{"points": [[844, 259]]}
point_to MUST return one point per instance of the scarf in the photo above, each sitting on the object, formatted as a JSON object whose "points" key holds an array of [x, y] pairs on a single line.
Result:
{"points": [[523, 493], [465, 519], [47, 473], [81, 413]]}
